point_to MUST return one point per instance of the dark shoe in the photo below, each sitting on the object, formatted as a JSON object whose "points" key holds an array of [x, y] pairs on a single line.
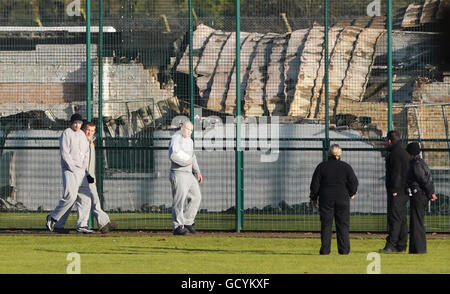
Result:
{"points": [[324, 251], [180, 231], [84, 230], [389, 250], [401, 250], [191, 229], [50, 223], [108, 227], [61, 231]]}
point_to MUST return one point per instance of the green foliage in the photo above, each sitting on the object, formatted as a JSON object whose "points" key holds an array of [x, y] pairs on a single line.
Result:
{"points": [[20, 12], [51, 11], [215, 8], [12, 10]]}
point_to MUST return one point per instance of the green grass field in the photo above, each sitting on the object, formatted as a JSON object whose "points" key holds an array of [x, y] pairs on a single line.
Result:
{"points": [[141, 252], [222, 221], [206, 253]]}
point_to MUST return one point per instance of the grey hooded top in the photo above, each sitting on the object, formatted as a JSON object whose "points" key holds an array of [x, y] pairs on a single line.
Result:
{"points": [[181, 154], [74, 150]]}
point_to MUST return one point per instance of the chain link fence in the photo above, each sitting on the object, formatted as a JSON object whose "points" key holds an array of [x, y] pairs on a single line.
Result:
{"points": [[140, 91]]}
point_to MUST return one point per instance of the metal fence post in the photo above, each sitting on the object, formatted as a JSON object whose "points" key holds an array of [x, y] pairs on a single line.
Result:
{"points": [[100, 155], [239, 156], [389, 69], [88, 77], [88, 61], [389, 65], [191, 62], [326, 144]]}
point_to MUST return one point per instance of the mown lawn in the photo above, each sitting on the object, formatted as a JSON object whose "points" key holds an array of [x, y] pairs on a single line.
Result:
{"points": [[206, 253], [222, 221]]}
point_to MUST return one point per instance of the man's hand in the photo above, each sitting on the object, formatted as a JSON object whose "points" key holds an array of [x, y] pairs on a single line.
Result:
{"points": [[314, 203], [199, 178], [433, 197], [90, 179], [352, 197], [394, 194]]}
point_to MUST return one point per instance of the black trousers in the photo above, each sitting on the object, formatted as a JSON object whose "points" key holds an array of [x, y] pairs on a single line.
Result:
{"points": [[397, 222], [340, 211], [417, 238]]}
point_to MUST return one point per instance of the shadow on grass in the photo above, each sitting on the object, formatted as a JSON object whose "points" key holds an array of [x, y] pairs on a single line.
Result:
{"points": [[262, 252], [228, 251], [110, 252], [135, 250]]}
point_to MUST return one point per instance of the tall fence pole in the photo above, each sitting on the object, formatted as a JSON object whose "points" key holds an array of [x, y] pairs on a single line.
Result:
{"points": [[100, 155], [325, 81], [389, 68], [191, 61], [88, 61], [389, 65], [88, 77], [239, 156]]}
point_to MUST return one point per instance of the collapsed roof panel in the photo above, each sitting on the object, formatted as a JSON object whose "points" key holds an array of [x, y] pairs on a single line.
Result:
{"points": [[318, 91], [282, 74], [248, 50], [422, 14]]}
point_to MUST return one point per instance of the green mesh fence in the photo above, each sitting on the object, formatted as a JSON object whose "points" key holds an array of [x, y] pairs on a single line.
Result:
{"points": [[142, 59]]}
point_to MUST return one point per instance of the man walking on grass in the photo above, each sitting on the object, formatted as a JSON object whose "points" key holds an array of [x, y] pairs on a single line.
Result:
{"points": [[184, 177], [74, 152], [103, 221]]}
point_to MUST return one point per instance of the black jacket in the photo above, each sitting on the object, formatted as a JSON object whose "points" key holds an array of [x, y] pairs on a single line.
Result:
{"points": [[396, 169], [333, 178], [419, 177]]}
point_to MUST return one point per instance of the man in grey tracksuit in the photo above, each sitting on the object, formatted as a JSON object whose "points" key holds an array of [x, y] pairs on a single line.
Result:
{"points": [[103, 221], [185, 177], [74, 152]]}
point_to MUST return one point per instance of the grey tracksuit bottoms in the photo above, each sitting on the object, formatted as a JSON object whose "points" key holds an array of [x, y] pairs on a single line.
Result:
{"points": [[186, 198], [97, 211], [84, 206], [76, 187]]}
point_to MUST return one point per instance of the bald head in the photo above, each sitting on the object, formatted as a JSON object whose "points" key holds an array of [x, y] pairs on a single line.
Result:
{"points": [[187, 128]]}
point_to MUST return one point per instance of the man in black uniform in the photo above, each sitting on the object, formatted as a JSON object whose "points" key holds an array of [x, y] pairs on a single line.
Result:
{"points": [[334, 183], [396, 170], [421, 189]]}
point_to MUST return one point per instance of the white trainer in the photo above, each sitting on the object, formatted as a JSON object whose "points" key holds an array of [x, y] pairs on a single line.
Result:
{"points": [[84, 230], [50, 223]]}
